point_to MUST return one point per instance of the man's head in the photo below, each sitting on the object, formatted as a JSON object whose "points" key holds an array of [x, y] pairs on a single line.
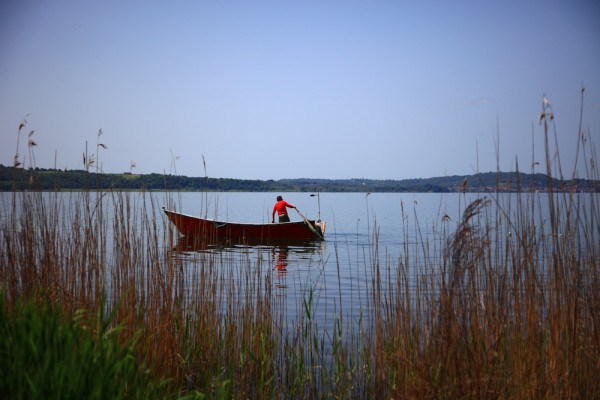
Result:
{"points": [[279, 198]]}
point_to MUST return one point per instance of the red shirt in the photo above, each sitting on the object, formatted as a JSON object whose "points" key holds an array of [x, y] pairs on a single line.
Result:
{"points": [[280, 207]]}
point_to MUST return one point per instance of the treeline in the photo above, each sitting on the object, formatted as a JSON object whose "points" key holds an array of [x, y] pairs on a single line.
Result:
{"points": [[53, 179]]}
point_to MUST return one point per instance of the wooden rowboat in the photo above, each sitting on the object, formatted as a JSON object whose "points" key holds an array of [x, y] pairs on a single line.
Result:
{"points": [[210, 230]]}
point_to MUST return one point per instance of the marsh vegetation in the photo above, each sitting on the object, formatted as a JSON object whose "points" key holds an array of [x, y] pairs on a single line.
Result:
{"points": [[92, 303]]}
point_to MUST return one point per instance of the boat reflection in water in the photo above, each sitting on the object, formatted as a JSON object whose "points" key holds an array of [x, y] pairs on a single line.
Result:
{"points": [[281, 247], [300, 261]]}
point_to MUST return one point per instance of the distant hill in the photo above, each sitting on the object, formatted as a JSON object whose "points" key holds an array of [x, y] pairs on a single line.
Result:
{"points": [[52, 179]]}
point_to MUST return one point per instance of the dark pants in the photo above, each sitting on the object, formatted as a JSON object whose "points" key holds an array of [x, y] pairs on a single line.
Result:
{"points": [[284, 218]]}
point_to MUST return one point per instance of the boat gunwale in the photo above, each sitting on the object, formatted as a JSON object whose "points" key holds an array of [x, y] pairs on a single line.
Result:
{"points": [[215, 221]]}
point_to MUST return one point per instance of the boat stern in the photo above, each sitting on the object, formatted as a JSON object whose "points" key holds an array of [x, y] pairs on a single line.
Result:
{"points": [[321, 226]]}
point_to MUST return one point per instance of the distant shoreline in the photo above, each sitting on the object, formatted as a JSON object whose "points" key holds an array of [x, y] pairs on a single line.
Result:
{"points": [[19, 179]]}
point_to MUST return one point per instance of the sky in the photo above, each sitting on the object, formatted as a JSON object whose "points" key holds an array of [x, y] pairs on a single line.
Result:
{"points": [[298, 89]]}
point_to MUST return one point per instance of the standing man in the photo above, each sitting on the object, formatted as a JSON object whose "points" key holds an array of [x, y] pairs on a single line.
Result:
{"points": [[281, 208]]}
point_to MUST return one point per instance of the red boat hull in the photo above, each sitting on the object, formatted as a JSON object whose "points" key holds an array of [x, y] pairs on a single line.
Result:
{"points": [[215, 231]]}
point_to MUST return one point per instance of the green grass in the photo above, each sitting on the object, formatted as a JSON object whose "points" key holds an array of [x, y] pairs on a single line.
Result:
{"points": [[46, 354]]}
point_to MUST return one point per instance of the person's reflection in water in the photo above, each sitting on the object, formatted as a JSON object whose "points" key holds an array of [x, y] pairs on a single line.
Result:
{"points": [[280, 263]]}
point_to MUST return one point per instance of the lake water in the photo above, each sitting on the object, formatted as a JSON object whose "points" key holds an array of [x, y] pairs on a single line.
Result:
{"points": [[368, 236], [363, 231]]}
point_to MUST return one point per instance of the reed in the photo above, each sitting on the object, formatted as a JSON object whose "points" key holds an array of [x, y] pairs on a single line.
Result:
{"points": [[513, 310], [509, 306]]}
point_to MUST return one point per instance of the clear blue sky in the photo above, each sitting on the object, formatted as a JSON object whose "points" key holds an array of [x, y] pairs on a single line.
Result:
{"points": [[297, 89]]}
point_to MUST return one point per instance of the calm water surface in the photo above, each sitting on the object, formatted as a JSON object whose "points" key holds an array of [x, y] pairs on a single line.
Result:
{"points": [[368, 235]]}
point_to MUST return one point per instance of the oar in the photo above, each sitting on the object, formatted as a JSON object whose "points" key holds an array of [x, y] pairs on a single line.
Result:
{"points": [[309, 224]]}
